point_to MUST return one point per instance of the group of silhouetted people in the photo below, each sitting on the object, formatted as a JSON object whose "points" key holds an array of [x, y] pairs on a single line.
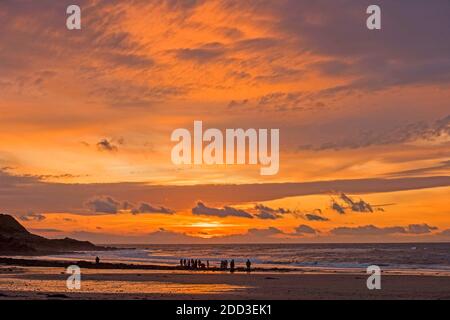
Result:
{"points": [[193, 264], [197, 264], [224, 265]]}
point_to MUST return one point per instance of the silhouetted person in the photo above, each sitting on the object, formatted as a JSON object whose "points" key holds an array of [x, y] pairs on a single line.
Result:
{"points": [[232, 266], [181, 262], [189, 264], [97, 260], [207, 264], [249, 265]]}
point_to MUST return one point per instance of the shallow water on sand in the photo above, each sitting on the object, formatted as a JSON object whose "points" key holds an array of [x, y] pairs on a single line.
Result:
{"points": [[104, 281]]}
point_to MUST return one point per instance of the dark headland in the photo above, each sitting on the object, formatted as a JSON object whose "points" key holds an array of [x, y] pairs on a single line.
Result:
{"points": [[16, 240]]}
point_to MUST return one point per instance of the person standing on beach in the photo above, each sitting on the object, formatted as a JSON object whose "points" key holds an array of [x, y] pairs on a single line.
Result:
{"points": [[97, 260], [249, 265], [232, 266]]}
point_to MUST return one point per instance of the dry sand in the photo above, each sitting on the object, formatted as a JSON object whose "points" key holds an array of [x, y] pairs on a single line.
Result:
{"points": [[50, 283]]}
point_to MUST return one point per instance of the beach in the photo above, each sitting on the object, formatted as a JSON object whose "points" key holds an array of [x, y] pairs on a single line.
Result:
{"points": [[19, 282], [278, 272]]}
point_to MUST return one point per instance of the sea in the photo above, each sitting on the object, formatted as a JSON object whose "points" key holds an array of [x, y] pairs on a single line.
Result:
{"points": [[399, 256]]}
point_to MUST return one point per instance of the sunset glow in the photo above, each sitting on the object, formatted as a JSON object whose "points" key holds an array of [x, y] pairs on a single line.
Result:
{"points": [[86, 121]]}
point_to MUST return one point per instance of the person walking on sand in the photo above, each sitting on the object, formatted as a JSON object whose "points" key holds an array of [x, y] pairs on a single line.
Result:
{"points": [[232, 266], [249, 265], [97, 260]]}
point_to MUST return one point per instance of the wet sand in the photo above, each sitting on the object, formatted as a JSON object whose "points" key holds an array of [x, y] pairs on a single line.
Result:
{"points": [[50, 283]]}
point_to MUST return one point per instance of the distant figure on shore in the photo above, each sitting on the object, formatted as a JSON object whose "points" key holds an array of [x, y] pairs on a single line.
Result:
{"points": [[181, 262], [97, 260], [232, 266], [224, 264], [207, 264], [249, 265]]}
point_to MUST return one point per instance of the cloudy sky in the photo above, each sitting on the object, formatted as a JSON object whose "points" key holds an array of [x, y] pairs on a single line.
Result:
{"points": [[364, 118]]}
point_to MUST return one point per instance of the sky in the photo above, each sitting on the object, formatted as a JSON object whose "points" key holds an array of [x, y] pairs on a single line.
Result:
{"points": [[86, 118]]}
